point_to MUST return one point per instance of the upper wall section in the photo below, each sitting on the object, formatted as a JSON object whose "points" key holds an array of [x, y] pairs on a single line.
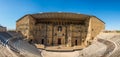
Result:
{"points": [[96, 25], [58, 17], [23, 26]]}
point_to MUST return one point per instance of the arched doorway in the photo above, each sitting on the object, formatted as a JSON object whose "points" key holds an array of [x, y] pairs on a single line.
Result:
{"points": [[42, 41], [76, 42], [59, 41]]}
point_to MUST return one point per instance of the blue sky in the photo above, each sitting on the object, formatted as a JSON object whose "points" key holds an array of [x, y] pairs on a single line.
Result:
{"points": [[106, 10]]}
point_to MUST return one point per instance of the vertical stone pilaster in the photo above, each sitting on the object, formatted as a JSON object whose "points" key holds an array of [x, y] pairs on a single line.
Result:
{"points": [[69, 40], [52, 34]]}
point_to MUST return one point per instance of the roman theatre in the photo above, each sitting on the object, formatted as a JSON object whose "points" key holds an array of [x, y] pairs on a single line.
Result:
{"points": [[60, 29]]}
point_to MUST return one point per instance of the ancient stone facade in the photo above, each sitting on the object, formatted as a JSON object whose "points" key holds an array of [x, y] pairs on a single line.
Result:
{"points": [[2, 29], [65, 29]]}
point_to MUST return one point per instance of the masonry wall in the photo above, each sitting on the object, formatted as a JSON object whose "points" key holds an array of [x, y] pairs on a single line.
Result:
{"points": [[48, 34], [95, 27], [3, 29], [38, 32], [23, 26], [79, 33], [32, 28]]}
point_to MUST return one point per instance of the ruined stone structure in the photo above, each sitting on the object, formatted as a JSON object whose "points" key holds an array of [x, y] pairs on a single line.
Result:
{"points": [[2, 29], [65, 29]]}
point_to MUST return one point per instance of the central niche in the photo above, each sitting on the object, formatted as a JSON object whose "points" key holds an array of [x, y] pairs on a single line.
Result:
{"points": [[59, 28], [59, 36], [60, 31]]}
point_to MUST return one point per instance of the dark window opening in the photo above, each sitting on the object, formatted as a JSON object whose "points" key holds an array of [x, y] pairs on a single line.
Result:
{"points": [[25, 36], [76, 42], [59, 28], [30, 41], [63, 34], [42, 41], [89, 43], [55, 34], [92, 38], [59, 41], [92, 29], [19, 31], [48, 40]]}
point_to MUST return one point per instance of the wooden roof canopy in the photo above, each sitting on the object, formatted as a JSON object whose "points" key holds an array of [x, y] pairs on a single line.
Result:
{"points": [[59, 16]]}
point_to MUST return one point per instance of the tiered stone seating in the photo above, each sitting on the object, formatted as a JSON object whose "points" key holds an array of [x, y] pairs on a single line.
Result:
{"points": [[109, 46], [4, 52], [116, 53], [14, 34], [5, 34], [16, 44], [26, 49], [4, 37], [114, 38], [116, 41], [109, 42], [97, 49]]}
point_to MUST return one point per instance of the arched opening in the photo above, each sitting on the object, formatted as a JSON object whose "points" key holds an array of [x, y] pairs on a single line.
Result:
{"points": [[59, 41]]}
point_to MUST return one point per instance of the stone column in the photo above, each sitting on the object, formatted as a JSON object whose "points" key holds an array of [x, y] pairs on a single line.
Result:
{"points": [[52, 34]]}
